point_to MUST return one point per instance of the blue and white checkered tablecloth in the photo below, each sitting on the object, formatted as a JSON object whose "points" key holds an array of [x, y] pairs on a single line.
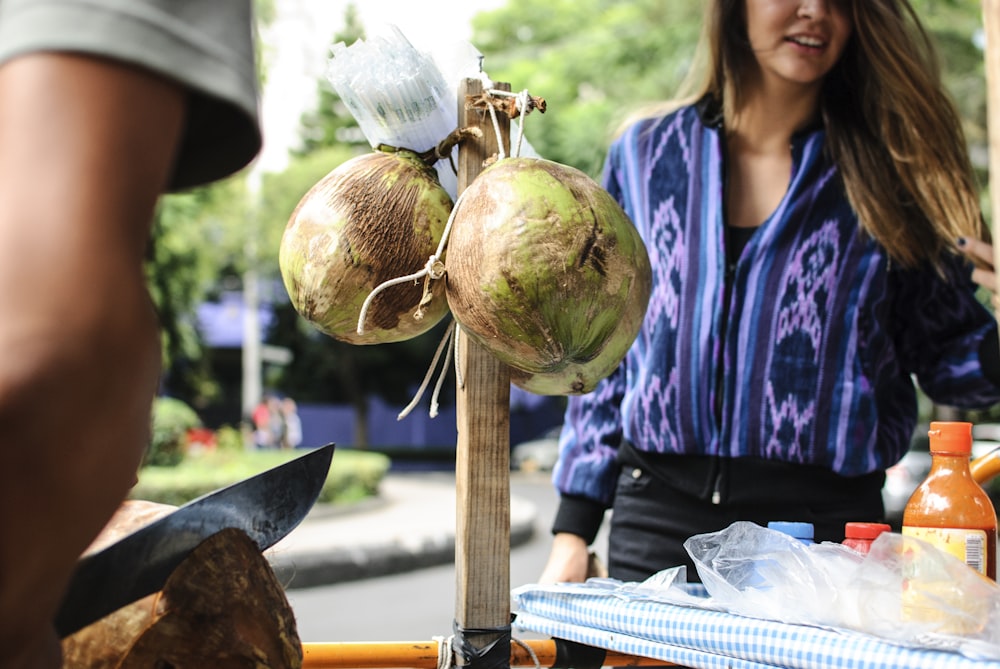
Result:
{"points": [[709, 639]]}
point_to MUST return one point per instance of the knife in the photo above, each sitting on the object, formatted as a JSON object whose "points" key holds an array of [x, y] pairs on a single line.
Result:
{"points": [[267, 507]]}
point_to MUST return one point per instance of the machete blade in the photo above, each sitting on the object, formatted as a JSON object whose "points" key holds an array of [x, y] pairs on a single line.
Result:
{"points": [[267, 507]]}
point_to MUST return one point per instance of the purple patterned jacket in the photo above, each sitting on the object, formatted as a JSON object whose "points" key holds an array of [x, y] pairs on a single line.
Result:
{"points": [[818, 345]]}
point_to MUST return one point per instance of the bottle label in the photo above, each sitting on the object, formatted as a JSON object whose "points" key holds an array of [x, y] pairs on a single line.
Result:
{"points": [[968, 545], [930, 595]]}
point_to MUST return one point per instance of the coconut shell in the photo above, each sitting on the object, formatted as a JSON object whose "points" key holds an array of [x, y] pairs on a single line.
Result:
{"points": [[221, 607], [103, 644], [375, 218], [547, 272]]}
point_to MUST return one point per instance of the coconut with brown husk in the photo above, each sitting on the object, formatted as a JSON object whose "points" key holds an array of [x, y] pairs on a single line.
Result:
{"points": [[222, 607], [373, 219], [547, 272]]}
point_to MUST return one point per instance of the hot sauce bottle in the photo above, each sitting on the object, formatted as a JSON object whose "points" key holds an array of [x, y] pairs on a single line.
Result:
{"points": [[950, 509]]}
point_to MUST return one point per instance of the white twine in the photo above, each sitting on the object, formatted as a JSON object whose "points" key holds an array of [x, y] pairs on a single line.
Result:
{"points": [[459, 377], [530, 650], [523, 100], [446, 657], [446, 341]]}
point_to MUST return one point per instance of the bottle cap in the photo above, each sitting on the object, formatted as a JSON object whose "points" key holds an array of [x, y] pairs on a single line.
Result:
{"points": [[865, 530], [951, 437], [797, 530]]}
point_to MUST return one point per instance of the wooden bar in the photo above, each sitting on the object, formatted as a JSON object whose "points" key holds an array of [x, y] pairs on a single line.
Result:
{"points": [[482, 465], [424, 655]]}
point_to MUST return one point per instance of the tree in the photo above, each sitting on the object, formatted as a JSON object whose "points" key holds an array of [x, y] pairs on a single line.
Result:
{"points": [[330, 123], [594, 61]]}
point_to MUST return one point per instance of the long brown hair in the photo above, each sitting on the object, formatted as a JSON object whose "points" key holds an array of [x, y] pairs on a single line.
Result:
{"points": [[891, 127]]}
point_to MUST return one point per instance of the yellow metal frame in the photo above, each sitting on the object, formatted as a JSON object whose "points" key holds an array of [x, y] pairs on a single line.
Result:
{"points": [[424, 655]]}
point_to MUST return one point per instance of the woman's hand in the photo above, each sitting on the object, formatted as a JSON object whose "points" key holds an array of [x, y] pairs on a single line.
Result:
{"points": [[981, 254], [568, 560]]}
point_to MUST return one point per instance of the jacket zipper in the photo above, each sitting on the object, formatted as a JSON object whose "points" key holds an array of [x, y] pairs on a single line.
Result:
{"points": [[727, 291]]}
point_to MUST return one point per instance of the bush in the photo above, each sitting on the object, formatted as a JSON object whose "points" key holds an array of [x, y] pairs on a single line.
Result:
{"points": [[172, 419], [229, 438], [353, 475]]}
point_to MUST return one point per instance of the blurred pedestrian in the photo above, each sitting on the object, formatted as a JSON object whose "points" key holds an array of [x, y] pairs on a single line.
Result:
{"points": [[262, 437], [292, 423]]}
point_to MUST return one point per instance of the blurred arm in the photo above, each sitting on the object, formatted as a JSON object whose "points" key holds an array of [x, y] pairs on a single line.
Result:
{"points": [[86, 147]]}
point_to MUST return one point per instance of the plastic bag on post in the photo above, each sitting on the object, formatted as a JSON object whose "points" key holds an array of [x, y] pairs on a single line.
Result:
{"points": [[404, 97]]}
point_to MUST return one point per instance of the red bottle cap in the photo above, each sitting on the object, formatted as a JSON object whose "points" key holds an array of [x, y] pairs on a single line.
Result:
{"points": [[865, 530], [951, 437]]}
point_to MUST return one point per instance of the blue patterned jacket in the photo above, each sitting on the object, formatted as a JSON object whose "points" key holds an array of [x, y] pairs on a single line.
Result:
{"points": [[820, 341]]}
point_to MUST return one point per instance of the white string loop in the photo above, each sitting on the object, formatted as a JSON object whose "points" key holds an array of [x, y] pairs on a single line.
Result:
{"points": [[530, 651], [446, 657]]}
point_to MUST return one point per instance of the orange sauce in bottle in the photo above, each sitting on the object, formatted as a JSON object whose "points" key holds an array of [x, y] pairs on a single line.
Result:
{"points": [[950, 509]]}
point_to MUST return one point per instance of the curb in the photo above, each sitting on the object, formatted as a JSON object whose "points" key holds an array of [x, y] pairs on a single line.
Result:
{"points": [[411, 525], [309, 570]]}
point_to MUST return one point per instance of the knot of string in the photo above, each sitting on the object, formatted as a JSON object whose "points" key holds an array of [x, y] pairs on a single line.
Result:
{"points": [[523, 106]]}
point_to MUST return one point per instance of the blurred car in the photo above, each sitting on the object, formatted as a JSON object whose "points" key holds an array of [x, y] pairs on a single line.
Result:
{"points": [[903, 478], [539, 454]]}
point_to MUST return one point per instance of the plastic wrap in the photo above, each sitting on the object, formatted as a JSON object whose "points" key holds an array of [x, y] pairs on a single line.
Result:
{"points": [[905, 589], [403, 97]]}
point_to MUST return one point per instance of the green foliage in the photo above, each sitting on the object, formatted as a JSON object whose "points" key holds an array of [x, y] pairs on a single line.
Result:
{"points": [[229, 439], [330, 123], [593, 61], [172, 419], [353, 475]]}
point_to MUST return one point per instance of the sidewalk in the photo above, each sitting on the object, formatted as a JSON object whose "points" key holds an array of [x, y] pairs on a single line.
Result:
{"points": [[410, 525]]}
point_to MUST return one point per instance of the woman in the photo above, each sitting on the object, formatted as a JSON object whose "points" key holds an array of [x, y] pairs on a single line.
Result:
{"points": [[801, 216]]}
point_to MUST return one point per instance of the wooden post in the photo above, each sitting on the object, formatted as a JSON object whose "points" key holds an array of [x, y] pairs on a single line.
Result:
{"points": [[482, 466], [991, 27]]}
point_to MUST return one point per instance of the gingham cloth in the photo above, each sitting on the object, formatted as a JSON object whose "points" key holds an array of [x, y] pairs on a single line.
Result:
{"points": [[706, 639]]}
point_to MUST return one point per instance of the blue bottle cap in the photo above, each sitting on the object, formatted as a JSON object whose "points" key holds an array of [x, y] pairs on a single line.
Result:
{"points": [[802, 531]]}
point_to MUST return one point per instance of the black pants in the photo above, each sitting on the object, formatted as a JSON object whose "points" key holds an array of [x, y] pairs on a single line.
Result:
{"points": [[661, 500]]}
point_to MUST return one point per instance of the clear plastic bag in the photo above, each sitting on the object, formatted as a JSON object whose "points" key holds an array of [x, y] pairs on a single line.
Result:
{"points": [[904, 590], [404, 97]]}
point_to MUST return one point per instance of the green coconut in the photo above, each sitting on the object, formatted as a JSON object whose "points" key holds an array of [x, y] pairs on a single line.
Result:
{"points": [[375, 218], [548, 273]]}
